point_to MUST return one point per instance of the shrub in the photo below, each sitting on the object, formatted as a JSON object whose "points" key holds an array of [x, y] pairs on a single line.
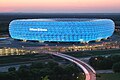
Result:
{"points": [[116, 67]]}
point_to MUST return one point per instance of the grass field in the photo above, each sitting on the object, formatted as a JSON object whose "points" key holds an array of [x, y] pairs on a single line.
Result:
{"points": [[111, 76], [22, 58], [93, 53]]}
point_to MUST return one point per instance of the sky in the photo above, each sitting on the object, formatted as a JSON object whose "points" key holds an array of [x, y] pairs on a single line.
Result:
{"points": [[60, 6]]}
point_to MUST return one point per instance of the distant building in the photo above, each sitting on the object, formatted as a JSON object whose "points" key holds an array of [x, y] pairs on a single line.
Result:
{"points": [[117, 28], [61, 30]]}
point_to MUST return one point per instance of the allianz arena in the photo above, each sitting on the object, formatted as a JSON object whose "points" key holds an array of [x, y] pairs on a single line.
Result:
{"points": [[61, 30]]}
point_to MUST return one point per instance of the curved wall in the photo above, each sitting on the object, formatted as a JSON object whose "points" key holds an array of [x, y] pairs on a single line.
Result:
{"points": [[69, 30]]}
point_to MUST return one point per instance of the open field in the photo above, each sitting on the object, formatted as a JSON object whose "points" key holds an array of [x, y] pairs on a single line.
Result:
{"points": [[28, 58], [111, 76], [22, 58], [93, 53]]}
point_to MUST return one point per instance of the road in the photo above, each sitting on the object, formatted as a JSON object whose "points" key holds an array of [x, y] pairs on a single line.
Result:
{"points": [[88, 70], [90, 73]]}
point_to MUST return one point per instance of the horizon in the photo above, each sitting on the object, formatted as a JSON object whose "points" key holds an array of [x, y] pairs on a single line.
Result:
{"points": [[60, 6], [53, 13]]}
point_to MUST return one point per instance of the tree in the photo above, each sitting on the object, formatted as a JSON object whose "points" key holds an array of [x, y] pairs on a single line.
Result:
{"points": [[35, 74], [96, 61], [116, 67], [51, 64], [100, 62], [12, 76], [81, 77], [4, 76], [71, 71], [24, 72], [45, 78], [114, 58], [43, 71], [11, 69], [37, 65]]}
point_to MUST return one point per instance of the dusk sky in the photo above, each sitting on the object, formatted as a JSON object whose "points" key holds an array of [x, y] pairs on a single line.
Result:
{"points": [[60, 6]]}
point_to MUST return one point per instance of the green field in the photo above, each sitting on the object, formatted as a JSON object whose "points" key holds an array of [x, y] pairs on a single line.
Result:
{"points": [[112, 76], [23, 58], [93, 53]]}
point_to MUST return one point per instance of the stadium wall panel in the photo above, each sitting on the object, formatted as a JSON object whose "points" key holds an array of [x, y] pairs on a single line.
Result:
{"points": [[61, 30]]}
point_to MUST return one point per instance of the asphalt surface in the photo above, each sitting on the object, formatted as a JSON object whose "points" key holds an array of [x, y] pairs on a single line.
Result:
{"points": [[9, 42]]}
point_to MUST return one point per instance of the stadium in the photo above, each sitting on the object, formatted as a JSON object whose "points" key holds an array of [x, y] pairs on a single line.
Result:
{"points": [[61, 30]]}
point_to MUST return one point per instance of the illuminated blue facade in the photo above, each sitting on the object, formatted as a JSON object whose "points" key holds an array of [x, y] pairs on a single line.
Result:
{"points": [[61, 30]]}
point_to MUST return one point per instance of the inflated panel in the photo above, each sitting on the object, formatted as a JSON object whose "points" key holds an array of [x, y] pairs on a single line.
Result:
{"points": [[62, 30]]}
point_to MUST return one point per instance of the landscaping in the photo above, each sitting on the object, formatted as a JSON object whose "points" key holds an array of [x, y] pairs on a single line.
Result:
{"points": [[111, 76], [49, 70], [106, 62], [93, 53], [22, 58]]}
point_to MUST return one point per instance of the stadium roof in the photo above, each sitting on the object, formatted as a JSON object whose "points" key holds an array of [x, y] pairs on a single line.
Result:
{"points": [[59, 19]]}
